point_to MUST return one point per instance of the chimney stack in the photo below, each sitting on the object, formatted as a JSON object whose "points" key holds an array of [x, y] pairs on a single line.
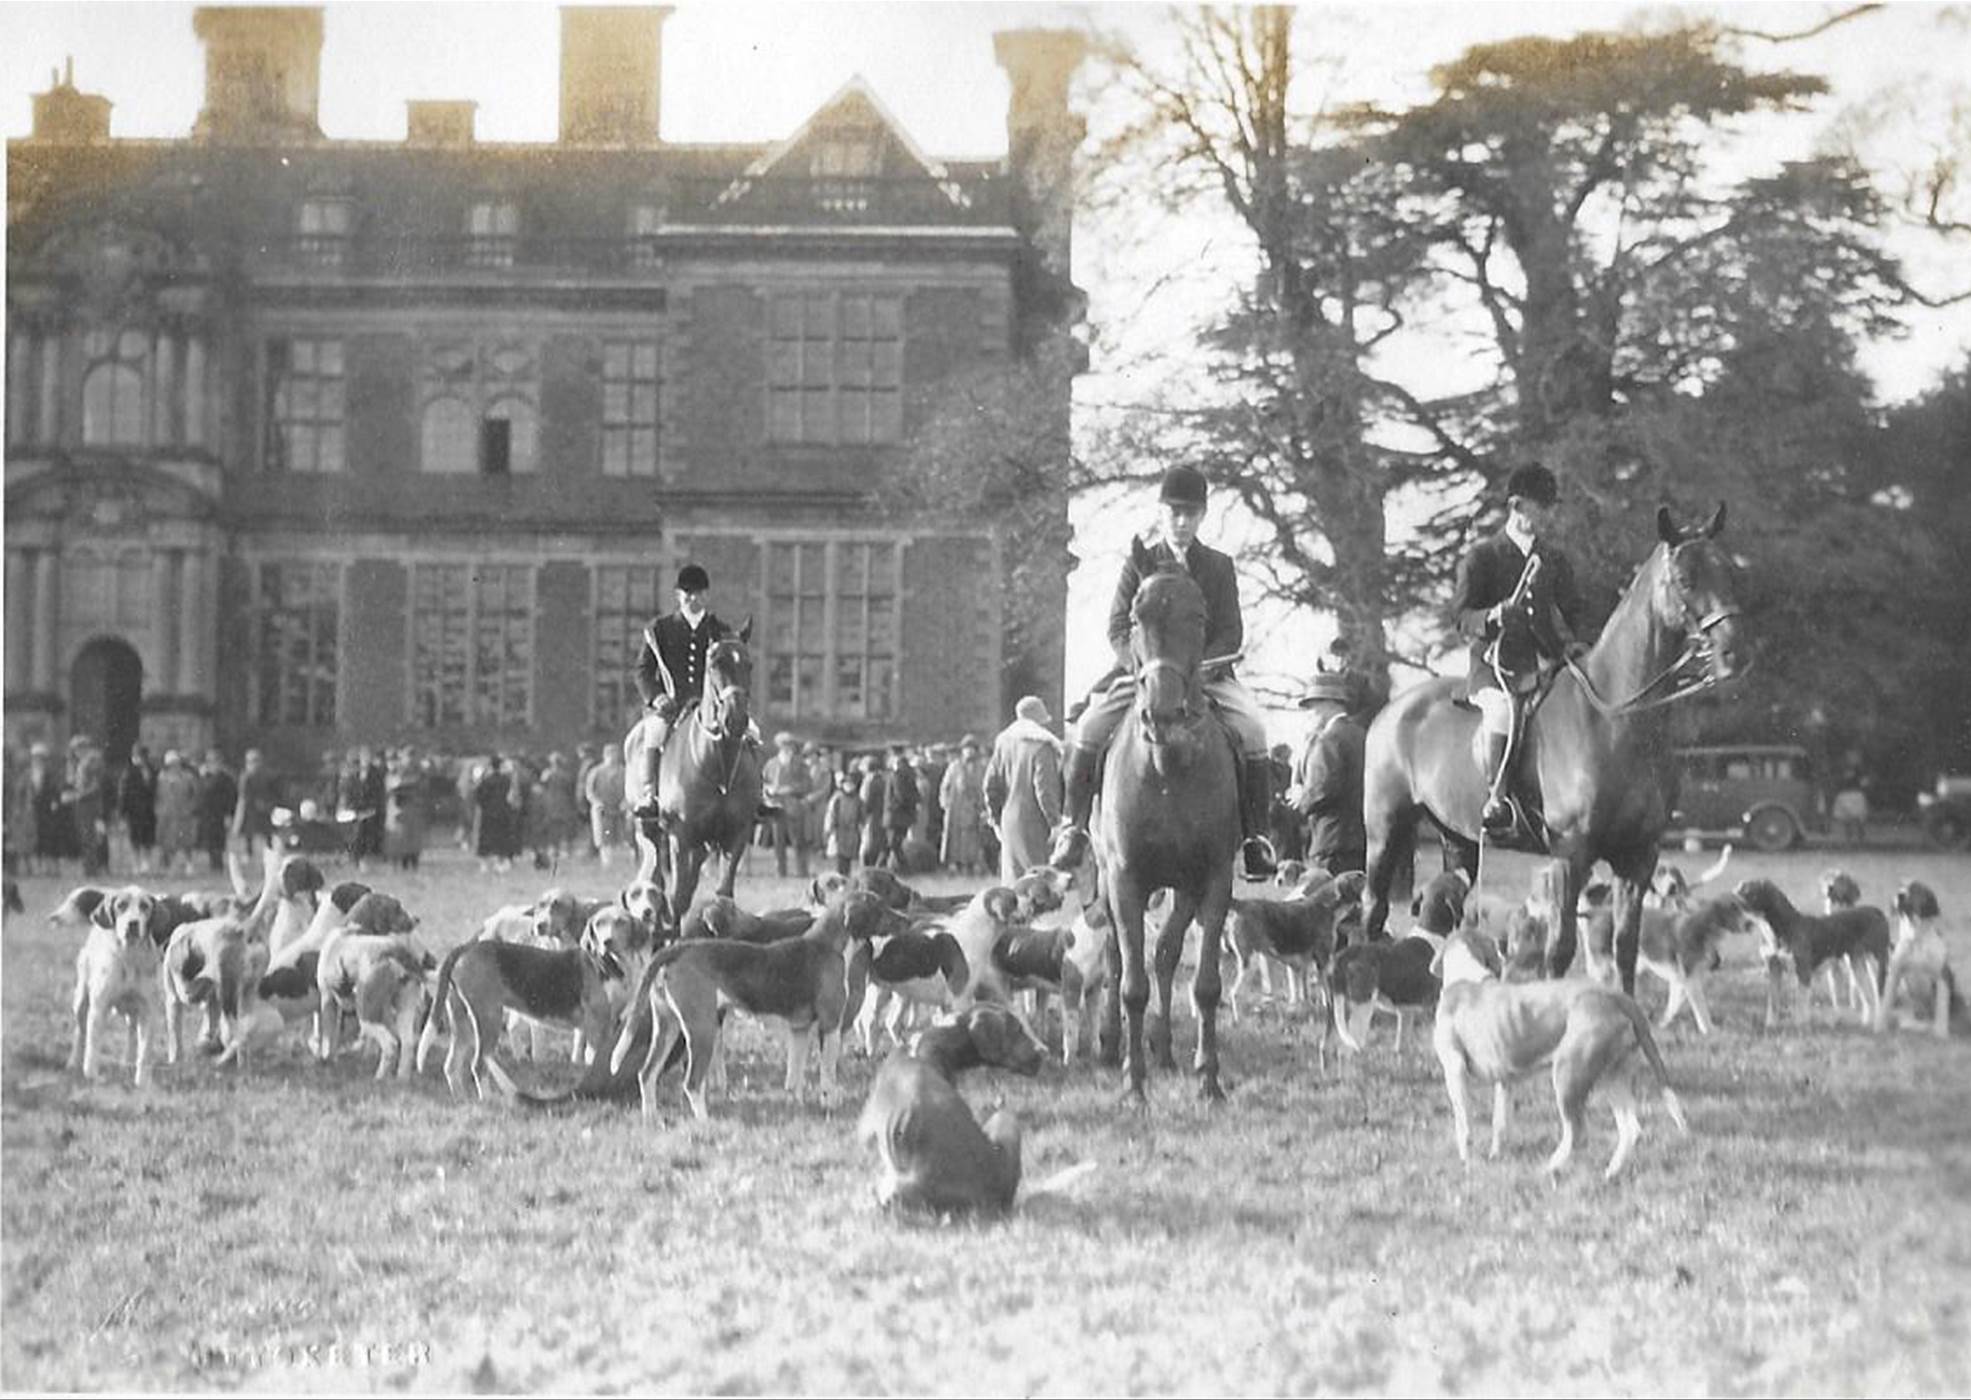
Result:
{"points": [[263, 72], [65, 117], [611, 71]]}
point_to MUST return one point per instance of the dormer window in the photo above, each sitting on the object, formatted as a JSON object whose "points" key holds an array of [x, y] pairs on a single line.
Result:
{"points": [[322, 230], [845, 157], [492, 228], [646, 218]]}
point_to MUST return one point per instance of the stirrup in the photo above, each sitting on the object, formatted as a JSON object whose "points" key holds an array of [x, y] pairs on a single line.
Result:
{"points": [[648, 810], [1499, 816], [768, 810], [1262, 861]]}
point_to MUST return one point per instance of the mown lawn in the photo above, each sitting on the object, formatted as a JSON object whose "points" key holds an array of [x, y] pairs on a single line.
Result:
{"points": [[300, 1228]]}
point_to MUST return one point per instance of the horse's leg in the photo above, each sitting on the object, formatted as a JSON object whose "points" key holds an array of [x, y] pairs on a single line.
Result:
{"points": [[1633, 873], [1205, 983], [686, 861], [733, 855], [1108, 1035], [1170, 951], [1392, 845], [1565, 876], [1126, 900]]}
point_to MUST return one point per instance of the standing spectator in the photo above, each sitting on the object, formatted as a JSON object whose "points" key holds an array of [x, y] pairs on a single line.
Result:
{"points": [[841, 824], [875, 782], [930, 779], [604, 792], [26, 836], [136, 803], [529, 829], [962, 796], [821, 788], [406, 814], [253, 816], [54, 819], [560, 804], [901, 802], [91, 799], [218, 795], [1023, 788], [1286, 829], [588, 758], [1327, 787], [177, 814], [493, 816], [370, 794], [1850, 808], [788, 783], [19, 830], [328, 783]]}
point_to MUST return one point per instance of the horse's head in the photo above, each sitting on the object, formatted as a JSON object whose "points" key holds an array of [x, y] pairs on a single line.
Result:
{"points": [[1167, 642], [1696, 594], [726, 708]]}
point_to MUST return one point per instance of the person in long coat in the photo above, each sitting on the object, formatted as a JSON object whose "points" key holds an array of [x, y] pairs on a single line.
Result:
{"points": [[406, 814], [177, 814], [901, 802], [218, 794], [136, 803], [92, 796], [1023, 788], [875, 839], [369, 796], [962, 795], [54, 828], [1327, 787], [493, 815]]}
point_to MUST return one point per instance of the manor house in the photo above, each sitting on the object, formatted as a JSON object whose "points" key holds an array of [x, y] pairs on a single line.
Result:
{"points": [[314, 442]]}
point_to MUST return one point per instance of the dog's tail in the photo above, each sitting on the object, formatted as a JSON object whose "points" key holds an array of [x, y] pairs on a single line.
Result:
{"points": [[1717, 868], [1062, 1181], [598, 1084], [640, 1011], [440, 1015], [1647, 1040]]}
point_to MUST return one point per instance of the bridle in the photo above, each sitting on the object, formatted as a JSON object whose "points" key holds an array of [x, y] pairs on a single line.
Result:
{"points": [[716, 708], [1689, 673]]}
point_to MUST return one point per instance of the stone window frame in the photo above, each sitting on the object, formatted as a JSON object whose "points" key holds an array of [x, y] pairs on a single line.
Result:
{"points": [[834, 367], [480, 382], [815, 629], [479, 605], [113, 357], [323, 227], [307, 662], [305, 434], [492, 231], [627, 419]]}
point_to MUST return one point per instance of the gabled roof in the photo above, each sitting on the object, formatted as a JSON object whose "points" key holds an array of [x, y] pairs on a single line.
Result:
{"points": [[855, 93]]}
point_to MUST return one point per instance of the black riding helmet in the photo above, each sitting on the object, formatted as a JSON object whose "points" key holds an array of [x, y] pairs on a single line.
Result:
{"points": [[1533, 482]]}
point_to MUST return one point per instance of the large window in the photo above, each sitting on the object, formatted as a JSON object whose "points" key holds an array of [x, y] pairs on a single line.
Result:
{"points": [[629, 408], [472, 644], [835, 368], [304, 405], [627, 596], [479, 413], [297, 611], [322, 230], [113, 388], [831, 648], [492, 228]]}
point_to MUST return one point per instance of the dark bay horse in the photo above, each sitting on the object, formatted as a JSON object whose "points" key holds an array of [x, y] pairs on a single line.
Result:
{"points": [[1169, 820], [1599, 743], [708, 785]]}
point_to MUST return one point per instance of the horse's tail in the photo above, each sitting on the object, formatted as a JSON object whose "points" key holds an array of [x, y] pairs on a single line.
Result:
{"points": [[440, 1016], [1639, 1023]]}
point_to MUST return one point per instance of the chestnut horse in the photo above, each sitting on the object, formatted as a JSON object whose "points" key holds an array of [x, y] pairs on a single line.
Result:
{"points": [[1599, 744], [708, 783], [1169, 820]]}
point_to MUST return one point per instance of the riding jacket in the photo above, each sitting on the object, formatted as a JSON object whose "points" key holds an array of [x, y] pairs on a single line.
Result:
{"points": [[683, 649], [1487, 575], [1214, 573]]}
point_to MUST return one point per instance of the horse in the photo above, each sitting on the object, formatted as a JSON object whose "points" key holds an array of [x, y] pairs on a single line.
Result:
{"points": [[1169, 819], [1606, 770], [708, 781]]}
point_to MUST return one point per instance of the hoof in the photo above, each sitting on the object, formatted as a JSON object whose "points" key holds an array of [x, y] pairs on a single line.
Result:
{"points": [[1134, 1099], [1210, 1090]]}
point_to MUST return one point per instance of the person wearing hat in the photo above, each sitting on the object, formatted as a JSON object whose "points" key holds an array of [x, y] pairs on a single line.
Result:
{"points": [[1022, 785], [1517, 606], [1327, 786], [1175, 544], [670, 673], [961, 794], [788, 780]]}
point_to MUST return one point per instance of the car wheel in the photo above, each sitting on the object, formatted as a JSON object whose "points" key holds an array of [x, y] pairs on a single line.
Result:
{"points": [[1771, 829], [1950, 830]]}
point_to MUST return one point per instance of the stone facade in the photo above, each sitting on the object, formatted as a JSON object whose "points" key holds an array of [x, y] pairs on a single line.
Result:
{"points": [[315, 443]]}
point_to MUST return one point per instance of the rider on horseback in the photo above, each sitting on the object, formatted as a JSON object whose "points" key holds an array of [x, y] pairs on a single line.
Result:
{"points": [[1175, 546], [670, 674], [1517, 603]]}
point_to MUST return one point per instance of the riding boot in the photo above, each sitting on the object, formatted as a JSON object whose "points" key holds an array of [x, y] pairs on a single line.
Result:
{"points": [[1497, 816], [1255, 815], [1083, 771], [653, 762]]}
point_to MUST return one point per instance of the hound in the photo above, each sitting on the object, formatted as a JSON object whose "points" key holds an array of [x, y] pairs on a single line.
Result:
{"points": [[1501, 1031], [801, 982], [1856, 936], [1679, 947], [1300, 934], [1920, 960], [117, 971], [935, 1156]]}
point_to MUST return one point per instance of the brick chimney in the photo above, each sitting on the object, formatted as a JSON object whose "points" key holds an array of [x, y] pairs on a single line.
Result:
{"points": [[66, 117], [434, 123], [263, 72], [1042, 134], [611, 73]]}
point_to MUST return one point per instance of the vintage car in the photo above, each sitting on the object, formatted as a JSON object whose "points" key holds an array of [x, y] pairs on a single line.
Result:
{"points": [[1763, 794]]}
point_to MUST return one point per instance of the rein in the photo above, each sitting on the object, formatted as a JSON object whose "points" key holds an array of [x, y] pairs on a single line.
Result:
{"points": [[1696, 648], [715, 728]]}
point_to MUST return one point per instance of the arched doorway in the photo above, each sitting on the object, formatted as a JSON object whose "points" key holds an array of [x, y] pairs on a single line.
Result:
{"points": [[106, 691]]}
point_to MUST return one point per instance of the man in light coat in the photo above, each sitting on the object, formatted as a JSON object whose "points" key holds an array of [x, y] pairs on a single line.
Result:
{"points": [[1023, 788]]}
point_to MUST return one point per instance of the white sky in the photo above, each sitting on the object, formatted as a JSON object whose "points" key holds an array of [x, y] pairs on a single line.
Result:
{"points": [[755, 72]]}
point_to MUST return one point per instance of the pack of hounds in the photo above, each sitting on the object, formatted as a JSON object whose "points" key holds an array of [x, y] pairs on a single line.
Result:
{"points": [[951, 983]]}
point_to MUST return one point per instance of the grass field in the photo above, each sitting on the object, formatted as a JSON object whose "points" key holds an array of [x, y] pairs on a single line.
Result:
{"points": [[299, 1228]]}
